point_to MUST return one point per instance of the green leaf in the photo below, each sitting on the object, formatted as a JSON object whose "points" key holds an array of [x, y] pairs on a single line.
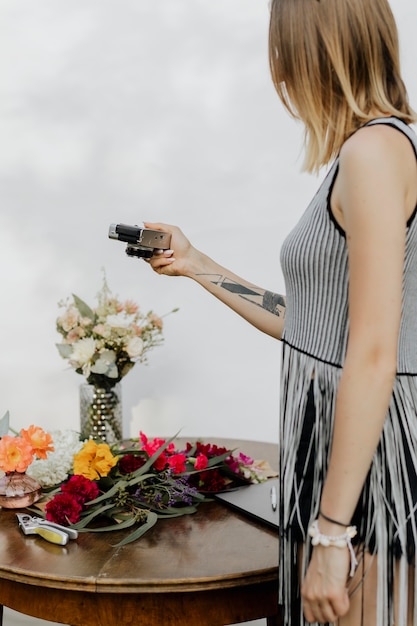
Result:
{"points": [[177, 511], [192, 450], [152, 518], [95, 513], [117, 526], [64, 349], [83, 307], [117, 451], [121, 484], [4, 424], [215, 460], [140, 479], [153, 458]]}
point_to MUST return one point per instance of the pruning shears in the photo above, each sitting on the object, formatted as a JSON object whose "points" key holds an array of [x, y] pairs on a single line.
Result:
{"points": [[54, 533]]}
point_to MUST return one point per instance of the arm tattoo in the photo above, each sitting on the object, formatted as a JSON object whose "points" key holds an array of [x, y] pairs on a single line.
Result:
{"points": [[271, 302]]}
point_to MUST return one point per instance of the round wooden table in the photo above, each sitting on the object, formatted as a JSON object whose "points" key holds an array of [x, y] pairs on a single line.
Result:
{"points": [[212, 568]]}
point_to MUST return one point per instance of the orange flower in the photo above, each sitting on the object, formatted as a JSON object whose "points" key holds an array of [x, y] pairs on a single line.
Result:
{"points": [[94, 460], [39, 440], [15, 454]]}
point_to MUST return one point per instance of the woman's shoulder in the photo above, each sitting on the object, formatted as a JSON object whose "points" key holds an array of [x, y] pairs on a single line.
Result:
{"points": [[377, 145]]}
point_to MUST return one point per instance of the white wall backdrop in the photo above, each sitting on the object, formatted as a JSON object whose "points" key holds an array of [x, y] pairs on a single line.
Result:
{"points": [[131, 110]]}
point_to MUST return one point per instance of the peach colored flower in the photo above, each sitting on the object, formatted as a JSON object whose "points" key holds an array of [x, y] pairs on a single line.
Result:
{"points": [[131, 307], [40, 441], [69, 319], [94, 460], [75, 334], [156, 321], [101, 329], [137, 330], [15, 454]]}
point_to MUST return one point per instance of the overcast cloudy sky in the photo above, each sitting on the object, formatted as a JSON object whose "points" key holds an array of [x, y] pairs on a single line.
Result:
{"points": [[128, 110]]}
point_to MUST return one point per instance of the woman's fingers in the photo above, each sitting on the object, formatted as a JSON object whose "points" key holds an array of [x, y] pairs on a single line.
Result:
{"points": [[325, 597], [322, 612]]}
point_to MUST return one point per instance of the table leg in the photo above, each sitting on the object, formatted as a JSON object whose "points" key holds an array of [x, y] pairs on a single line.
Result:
{"points": [[1, 615], [273, 620]]}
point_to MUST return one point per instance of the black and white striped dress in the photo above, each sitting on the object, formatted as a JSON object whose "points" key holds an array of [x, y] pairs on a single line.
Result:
{"points": [[315, 265]]}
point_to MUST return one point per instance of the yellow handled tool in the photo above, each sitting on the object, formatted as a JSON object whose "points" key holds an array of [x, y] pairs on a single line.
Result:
{"points": [[54, 533]]}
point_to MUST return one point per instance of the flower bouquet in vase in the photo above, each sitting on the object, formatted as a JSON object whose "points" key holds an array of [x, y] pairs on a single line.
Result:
{"points": [[103, 344]]}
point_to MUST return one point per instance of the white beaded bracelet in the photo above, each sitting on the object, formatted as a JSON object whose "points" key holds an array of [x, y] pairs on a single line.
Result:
{"points": [[340, 541]]}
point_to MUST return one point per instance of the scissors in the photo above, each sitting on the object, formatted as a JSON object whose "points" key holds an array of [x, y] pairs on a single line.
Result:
{"points": [[54, 533]]}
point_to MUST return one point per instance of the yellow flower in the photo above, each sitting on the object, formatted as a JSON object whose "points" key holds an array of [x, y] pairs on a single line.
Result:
{"points": [[94, 460]]}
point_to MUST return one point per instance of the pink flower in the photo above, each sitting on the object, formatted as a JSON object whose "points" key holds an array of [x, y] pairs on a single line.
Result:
{"points": [[151, 446], [201, 462], [75, 334], [131, 307], [177, 462], [100, 329], [155, 321]]}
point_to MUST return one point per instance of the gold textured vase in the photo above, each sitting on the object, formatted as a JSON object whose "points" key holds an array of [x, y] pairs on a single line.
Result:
{"points": [[101, 412], [18, 490]]}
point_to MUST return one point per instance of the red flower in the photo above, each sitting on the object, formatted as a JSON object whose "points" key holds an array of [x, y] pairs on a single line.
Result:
{"points": [[210, 480], [201, 462], [177, 462], [63, 509], [152, 445], [83, 489], [209, 449], [130, 463]]}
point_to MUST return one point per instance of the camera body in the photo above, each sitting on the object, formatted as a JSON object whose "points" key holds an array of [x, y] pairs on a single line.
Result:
{"points": [[141, 242]]}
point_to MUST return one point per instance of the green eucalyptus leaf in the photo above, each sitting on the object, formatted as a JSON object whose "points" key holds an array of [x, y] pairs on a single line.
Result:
{"points": [[64, 349], [4, 424], [152, 518], [120, 485], [83, 308], [140, 479], [95, 513], [117, 526], [176, 511]]}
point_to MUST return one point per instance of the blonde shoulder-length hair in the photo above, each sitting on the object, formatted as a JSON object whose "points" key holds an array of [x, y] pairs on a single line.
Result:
{"points": [[335, 65]]}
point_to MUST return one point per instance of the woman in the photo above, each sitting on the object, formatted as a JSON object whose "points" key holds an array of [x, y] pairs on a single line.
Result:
{"points": [[348, 433]]}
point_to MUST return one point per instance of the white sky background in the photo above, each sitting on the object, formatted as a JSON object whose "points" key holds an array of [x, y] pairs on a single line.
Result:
{"points": [[132, 110]]}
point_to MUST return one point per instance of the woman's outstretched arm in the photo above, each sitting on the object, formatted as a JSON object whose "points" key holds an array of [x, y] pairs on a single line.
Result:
{"points": [[261, 308]]}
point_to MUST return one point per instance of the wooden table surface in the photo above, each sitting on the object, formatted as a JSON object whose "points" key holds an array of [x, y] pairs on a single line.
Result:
{"points": [[212, 568]]}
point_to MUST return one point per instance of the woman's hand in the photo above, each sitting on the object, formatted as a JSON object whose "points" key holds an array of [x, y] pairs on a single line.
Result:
{"points": [[180, 259], [185, 260], [324, 591]]}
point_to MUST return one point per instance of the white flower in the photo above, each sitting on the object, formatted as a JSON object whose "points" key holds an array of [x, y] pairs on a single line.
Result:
{"points": [[83, 351], [106, 364], [121, 320], [59, 463], [134, 347], [70, 319]]}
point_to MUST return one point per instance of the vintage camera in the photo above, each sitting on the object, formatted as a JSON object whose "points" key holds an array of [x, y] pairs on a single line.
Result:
{"points": [[141, 242]]}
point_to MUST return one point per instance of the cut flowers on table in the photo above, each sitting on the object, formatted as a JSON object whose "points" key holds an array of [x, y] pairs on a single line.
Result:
{"points": [[105, 342], [18, 451], [135, 483]]}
